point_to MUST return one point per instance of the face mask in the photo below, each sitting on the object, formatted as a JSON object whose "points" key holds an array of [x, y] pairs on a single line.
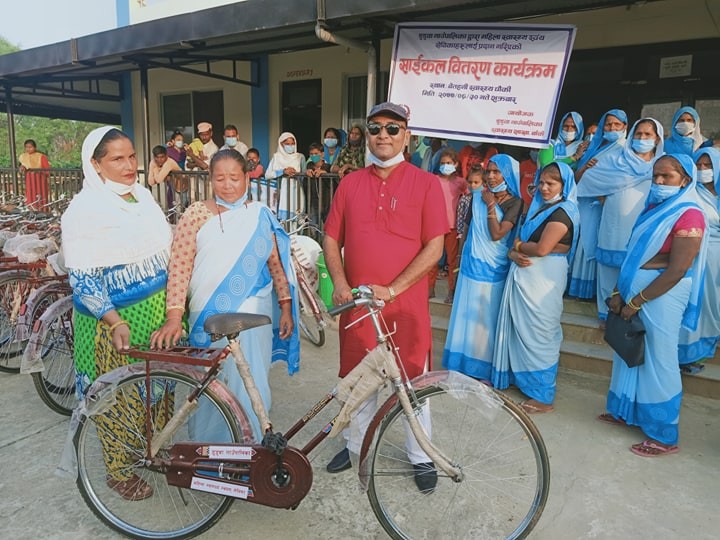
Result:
{"points": [[179, 144], [231, 141], [118, 188], [426, 141], [231, 206], [534, 155], [289, 148], [372, 158], [331, 143], [498, 188], [659, 193], [478, 189], [355, 142], [315, 158], [567, 136], [642, 146], [252, 164], [612, 136], [555, 199], [447, 169], [589, 137], [705, 176], [684, 128]]}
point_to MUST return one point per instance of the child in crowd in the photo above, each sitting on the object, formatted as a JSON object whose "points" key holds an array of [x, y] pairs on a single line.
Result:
{"points": [[453, 187], [254, 167], [464, 208], [316, 164]]}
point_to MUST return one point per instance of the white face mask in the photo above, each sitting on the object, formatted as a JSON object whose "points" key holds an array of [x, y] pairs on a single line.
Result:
{"points": [[385, 164], [705, 176], [120, 189], [685, 128]]}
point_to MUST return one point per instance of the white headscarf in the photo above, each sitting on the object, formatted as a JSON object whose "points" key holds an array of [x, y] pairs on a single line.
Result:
{"points": [[101, 229], [282, 160]]}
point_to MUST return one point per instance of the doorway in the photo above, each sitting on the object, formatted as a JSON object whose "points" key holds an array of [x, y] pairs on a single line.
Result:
{"points": [[302, 111]]}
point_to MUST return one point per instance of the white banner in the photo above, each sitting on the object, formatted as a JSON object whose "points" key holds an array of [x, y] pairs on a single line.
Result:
{"points": [[481, 81]]}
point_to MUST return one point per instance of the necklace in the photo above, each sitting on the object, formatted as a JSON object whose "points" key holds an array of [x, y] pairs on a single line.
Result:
{"points": [[217, 207]]}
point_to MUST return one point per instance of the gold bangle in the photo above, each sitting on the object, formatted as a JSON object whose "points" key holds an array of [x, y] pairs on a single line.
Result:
{"points": [[615, 293], [642, 297], [392, 293], [119, 323], [517, 245], [283, 301], [632, 306]]}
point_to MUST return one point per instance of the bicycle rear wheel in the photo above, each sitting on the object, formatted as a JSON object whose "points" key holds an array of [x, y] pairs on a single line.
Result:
{"points": [[56, 383], [504, 462], [13, 289], [310, 319], [170, 512]]}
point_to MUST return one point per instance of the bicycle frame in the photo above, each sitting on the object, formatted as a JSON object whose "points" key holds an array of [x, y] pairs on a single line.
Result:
{"points": [[271, 473]]}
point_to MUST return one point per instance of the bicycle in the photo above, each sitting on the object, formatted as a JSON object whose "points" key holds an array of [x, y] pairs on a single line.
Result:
{"points": [[311, 307], [492, 465]]}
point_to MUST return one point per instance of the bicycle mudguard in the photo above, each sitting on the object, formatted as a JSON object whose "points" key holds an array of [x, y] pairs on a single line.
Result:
{"points": [[24, 327], [478, 394], [32, 356]]}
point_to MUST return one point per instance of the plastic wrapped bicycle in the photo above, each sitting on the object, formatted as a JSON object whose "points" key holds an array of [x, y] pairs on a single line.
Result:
{"points": [[190, 445]]}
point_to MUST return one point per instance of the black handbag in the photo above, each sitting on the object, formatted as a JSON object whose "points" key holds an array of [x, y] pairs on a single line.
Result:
{"points": [[627, 338]]}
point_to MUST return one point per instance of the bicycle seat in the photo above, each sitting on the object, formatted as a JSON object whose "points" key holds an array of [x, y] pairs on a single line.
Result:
{"points": [[226, 324]]}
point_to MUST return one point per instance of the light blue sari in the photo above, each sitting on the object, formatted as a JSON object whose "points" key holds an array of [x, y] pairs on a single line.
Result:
{"points": [[624, 180], [527, 343], [702, 342], [562, 148], [684, 144], [649, 395], [583, 276], [230, 275], [483, 267]]}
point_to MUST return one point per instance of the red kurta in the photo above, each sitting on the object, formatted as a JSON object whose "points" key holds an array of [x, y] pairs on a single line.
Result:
{"points": [[383, 225]]}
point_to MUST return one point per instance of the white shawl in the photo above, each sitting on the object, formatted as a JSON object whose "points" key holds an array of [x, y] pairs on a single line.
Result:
{"points": [[100, 229]]}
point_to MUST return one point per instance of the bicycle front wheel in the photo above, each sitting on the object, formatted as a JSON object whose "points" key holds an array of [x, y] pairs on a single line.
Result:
{"points": [[55, 384], [310, 319], [113, 445], [13, 291], [503, 460]]}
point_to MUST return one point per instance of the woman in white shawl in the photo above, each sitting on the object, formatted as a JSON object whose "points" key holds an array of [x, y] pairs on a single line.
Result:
{"points": [[116, 243], [285, 164], [622, 183], [696, 345]]}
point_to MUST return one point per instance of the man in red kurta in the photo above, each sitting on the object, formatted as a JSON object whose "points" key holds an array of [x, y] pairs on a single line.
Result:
{"points": [[390, 220]]}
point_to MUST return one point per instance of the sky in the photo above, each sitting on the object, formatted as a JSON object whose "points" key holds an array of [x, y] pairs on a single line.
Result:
{"points": [[57, 20]]}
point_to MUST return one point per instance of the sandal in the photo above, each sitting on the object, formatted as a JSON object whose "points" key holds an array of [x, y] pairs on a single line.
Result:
{"points": [[132, 489], [531, 408], [610, 419], [692, 369], [449, 298], [650, 448]]}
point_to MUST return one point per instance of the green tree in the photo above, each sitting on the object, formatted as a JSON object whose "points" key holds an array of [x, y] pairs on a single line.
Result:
{"points": [[61, 140]]}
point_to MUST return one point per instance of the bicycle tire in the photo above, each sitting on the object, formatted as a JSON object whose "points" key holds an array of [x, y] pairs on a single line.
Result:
{"points": [[10, 350], [310, 317], [502, 499], [171, 512], [56, 383]]}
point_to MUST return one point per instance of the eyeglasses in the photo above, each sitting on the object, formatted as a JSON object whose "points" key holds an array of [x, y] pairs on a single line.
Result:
{"points": [[392, 129]]}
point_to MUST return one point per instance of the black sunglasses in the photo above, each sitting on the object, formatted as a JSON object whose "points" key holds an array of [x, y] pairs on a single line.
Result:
{"points": [[392, 128]]}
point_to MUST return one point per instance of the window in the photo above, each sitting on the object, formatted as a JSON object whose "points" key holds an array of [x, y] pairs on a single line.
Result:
{"points": [[709, 111], [662, 112], [355, 110], [182, 112]]}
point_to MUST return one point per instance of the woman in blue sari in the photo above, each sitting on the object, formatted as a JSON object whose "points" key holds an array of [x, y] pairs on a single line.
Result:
{"points": [[661, 280], [527, 343], [230, 255], [608, 143], [569, 144], [621, 182], [685, 136], [696, 345], [483, 267]]}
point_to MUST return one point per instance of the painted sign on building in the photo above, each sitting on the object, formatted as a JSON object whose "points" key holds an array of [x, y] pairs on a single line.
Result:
{"points": [[479, 81]]}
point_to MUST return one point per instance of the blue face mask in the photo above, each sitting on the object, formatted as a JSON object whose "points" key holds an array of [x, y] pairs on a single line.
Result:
{"points": [[589, 137], [447, 169], [315, 158], [231, 141], [568, 136], [498, 188], [289, 148], [642, 146], [478, 189], [426, 141], [331, 143], [660, 193], [231, 206], [612, 136]]}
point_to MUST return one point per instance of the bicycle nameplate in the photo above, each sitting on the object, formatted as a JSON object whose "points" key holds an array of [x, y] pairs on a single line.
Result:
{"points": [[235, 453], [221, 488]]}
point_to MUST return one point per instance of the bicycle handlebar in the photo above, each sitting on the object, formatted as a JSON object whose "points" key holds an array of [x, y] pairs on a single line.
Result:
{"points": [[337, 310], [363, 297]]}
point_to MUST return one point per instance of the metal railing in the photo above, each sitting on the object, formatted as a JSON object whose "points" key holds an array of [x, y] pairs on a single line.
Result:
{"points": [[284, 195]]}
